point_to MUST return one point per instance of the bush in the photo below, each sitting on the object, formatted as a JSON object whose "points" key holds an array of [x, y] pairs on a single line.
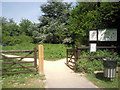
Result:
{"points": [[89, 65], [13, 40], [9, 40], [25, 39]]}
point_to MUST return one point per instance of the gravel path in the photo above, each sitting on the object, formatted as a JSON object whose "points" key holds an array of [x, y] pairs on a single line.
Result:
{"points": [[58, 75]]}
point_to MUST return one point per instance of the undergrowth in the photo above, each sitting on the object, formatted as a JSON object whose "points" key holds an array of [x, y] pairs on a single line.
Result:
{"points": [[89, 65]]}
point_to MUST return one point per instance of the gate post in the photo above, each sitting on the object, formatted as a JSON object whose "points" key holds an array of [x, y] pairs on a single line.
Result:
{"points": [[41, 59], [76, 58]]}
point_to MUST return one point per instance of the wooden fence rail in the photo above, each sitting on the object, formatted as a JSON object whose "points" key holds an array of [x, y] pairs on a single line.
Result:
{"points": [[74, 54], [17, 51], [20, 62]]}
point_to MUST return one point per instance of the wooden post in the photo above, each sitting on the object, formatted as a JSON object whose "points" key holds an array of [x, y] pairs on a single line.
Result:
{"points": [[67, 57], [118, 78], [76, 58], [35, 58], [41, 59]]}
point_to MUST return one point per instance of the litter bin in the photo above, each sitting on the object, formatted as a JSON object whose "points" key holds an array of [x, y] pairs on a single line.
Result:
{"points": [[109, 67]]}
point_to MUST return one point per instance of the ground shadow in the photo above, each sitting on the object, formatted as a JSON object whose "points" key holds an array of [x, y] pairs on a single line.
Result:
{"points": [[100, 75]]}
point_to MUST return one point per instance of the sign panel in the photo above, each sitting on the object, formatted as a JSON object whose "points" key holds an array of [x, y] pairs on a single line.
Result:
{"points": [[107, 34], [92, 47], [93, 35]]}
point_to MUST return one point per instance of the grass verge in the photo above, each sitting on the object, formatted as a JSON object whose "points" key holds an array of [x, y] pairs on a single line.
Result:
{"points": [[102, 82], [27, 80]]}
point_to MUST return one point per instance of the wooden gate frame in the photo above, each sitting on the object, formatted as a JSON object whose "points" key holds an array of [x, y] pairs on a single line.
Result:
{"points": [[19, 61], [76, 55]]}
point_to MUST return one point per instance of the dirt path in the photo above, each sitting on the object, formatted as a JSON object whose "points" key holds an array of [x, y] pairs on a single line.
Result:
{"points": [[58, 75]]}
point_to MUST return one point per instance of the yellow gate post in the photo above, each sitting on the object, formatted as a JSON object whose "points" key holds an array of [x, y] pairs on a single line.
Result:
{"points": [[41, 59]]}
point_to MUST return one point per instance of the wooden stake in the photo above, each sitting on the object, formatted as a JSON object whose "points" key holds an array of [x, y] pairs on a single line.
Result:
{"points": [[41, 59]]}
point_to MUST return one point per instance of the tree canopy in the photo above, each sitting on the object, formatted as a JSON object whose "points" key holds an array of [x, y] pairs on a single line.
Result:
{"points": [[53, 22], [88, 15], [62, 23]]}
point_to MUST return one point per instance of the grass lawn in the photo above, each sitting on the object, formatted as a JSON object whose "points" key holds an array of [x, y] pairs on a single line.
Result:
{"points": [[54, 51], [23, 81], [51, 51], [102, 82]]}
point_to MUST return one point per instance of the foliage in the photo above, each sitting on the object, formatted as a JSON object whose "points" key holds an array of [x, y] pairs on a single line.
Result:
{"points": [[88, 15], [24, 26], [110, 14], [13, 40], [10, 28], [13, 34], [53, 22], [89, 65]]}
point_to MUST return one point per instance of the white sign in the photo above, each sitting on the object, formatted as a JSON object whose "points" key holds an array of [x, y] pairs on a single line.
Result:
{"points": [[93, 35], [107, 34], [92, 47]]}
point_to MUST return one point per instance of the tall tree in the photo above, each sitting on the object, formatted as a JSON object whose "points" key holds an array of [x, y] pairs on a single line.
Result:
{"points": [[9, 27], [24, 26], [90, 15], [12, 33], [52, 23]]}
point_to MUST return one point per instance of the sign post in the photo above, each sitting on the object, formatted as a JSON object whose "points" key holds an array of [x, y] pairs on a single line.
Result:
{"points": [[93, 39], [92, 47], [102, 36]]}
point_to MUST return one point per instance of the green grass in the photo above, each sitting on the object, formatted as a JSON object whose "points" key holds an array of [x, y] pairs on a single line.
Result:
{"points": [[51, 51], [54, 51], [23, 46], [102, 82], [27, 80]]}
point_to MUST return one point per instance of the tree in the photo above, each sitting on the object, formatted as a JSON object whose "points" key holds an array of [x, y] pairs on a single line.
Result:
{"points": [[24, 26], [52, 23], [12, 34], [89, 15], [9, 27], [110, 14], [9, 30]]}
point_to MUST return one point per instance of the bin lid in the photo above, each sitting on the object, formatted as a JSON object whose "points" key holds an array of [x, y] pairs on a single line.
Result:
{"points": [[109, 59]]}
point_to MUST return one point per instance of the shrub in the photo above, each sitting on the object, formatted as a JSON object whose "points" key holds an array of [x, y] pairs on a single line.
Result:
{"points": [[13, 40], [8, 40], [89, 65], [25, 39]]}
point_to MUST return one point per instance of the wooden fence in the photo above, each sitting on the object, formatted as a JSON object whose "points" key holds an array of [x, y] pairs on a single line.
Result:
{"points": [[19, 62], [74, 54]]}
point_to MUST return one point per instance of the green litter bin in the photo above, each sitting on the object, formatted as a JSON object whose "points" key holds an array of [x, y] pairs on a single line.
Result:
{"points": [[109, 67]]}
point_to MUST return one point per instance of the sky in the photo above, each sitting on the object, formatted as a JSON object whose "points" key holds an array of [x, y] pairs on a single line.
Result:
{"points": [[19, 10], [27, 10]]}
